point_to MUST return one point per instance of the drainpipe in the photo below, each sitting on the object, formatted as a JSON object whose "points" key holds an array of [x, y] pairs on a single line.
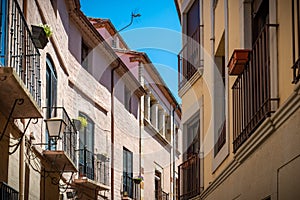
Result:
{"points": [[214, 72], [21, 166], [22, 144], [174, 150], [141, 117], [226, 69], [141, 123], [112, 128]]}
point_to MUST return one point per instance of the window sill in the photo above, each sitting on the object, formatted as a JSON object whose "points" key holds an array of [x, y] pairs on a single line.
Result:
{"points": [[157, 135]]}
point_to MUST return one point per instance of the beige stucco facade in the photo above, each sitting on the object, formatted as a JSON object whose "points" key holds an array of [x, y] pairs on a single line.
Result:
{"points": [[265, 165]]}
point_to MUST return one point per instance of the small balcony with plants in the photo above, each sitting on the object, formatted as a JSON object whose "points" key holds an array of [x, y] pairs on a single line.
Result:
{"points": [[61, 136], [251, 91]]}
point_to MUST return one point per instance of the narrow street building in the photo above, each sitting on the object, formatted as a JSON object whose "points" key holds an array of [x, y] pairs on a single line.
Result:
{"points": [[239, 85], [160, 119], [70, 107]]}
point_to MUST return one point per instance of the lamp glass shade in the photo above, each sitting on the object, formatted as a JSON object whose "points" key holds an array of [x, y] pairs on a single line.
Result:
{"points": [[55, 126]]}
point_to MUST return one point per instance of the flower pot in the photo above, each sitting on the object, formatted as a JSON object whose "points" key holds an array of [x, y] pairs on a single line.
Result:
{"points": [[77, 124], [102, 157], [39, 37], [238, 60], [137, 181]]}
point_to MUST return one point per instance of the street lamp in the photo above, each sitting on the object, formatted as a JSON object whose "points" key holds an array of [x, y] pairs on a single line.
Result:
{"points": [[55, 126]]}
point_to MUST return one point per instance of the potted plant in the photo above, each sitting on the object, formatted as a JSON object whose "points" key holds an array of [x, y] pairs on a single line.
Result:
{"points": [[80, 122], [138, 179], [238, 60], [40, 35], [103, 157]]}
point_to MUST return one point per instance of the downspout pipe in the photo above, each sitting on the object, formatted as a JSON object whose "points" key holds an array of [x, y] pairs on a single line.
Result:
{"points": [[112, 124], [213, 67], [21, 166], [174, 150]]}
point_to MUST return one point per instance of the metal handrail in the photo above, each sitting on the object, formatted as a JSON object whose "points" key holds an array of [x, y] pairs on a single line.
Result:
{"points": [[189, 57], [7, 192], [17, 49], [93, 167], [252, 91], [189, 177], [69, 138]]}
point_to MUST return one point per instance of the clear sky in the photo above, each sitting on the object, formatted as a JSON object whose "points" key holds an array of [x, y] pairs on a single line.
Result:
{"points": [[156, 32]]}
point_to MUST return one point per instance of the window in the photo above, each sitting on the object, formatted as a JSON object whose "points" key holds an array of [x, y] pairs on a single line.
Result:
{"points": [[190, 55], [220, 133], [296, 40], [127, 98], [51, 88], [85, 50], [127, 172], [193, 18], [193, 138], [176, 188], [51, 95], [157, 181], [176, 139], [86, 146]]}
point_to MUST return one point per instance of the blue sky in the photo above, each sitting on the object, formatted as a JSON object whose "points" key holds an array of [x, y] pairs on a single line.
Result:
{"points": [[156, 32]]}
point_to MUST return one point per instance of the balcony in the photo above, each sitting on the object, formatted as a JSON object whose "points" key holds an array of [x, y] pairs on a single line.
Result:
{"points": [[93, 170], [61, 154], [127, 185], [8, 193], [296, 71], [190, 58], [252, 92], [20, 85], [189, 178]]}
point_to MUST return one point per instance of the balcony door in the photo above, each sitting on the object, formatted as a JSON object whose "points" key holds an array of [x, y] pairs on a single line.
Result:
{"points": [[86, 146], [158, 188], [128, 172], [193, 41], [193, 138], [51, 95]]}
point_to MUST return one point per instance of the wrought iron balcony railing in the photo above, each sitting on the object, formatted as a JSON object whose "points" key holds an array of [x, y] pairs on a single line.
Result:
{"points": [[189, 178], [190, 58], [17, 49], [164, 196], [161, 195], [296, 71], [68, 142], [8, 193], [128, 184], [252, 92], [94, 167]]}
